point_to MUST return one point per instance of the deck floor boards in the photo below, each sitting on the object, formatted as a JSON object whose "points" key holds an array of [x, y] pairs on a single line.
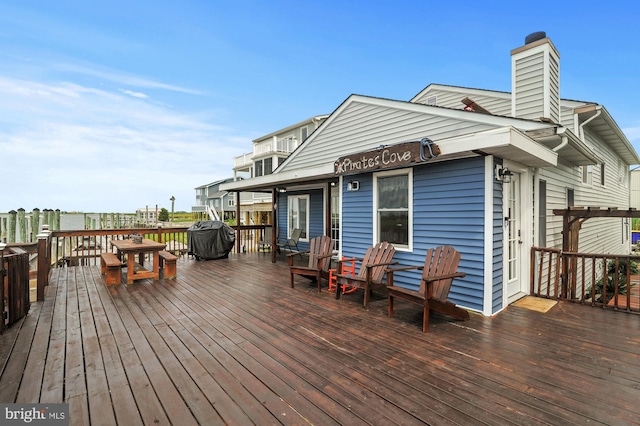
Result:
{"points": [[229, 342]]}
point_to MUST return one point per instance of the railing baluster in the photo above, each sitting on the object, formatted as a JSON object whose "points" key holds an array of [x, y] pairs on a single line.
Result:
{"points": [[582, 279], [593, 281]]}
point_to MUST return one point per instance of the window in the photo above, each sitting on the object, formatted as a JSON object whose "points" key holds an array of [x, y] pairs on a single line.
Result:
{"points": [[587, 174], [542, 214], [268, 168], [304, 133], [570, 199], [392, 204], [623, 172], [258, 168], [299, 214], [602, 174]]}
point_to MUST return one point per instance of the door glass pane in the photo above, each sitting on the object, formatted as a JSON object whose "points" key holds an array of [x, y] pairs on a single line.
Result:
{"points": [[293, 215], [513, 229], [302, 223]]}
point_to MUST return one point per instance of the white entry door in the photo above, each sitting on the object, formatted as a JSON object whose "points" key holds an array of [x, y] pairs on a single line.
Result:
{"points": [[513, 236]]}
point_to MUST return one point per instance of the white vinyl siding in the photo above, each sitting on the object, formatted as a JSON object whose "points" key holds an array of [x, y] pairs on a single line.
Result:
{"points": [[528, 97], [554, 89], [597, 235], [496, 103], [536, 84], [363, 126]]}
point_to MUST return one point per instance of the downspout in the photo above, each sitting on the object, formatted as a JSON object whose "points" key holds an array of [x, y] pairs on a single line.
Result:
{"points": [[584, 123], [564, 142]]}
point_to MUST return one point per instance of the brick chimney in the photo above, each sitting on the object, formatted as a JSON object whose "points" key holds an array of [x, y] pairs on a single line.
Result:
{"points": [[535, 79]]}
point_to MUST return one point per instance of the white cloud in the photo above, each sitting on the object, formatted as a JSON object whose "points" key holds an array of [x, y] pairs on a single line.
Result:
{"points": [[134, 94], [75, 147], [122, 78]]}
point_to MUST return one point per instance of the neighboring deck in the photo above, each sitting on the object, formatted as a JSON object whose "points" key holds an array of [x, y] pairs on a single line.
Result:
{"points": [[230, 342]]}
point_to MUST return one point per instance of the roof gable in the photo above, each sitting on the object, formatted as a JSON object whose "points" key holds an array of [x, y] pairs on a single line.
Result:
{"points": [[362, 123], [499, 103]]}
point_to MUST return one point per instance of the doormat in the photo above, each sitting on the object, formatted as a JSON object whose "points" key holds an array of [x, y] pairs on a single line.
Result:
{"points": [[535, 303]]}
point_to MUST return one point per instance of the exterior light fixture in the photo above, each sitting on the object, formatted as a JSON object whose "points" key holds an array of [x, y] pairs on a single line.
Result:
{"points": [[503, 174]]}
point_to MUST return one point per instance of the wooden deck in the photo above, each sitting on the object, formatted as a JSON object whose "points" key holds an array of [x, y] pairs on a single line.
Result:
{"points": [[229, 342]]}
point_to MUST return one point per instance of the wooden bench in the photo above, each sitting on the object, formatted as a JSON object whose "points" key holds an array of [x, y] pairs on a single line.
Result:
{"points": [[168, 271], [110, 267]]}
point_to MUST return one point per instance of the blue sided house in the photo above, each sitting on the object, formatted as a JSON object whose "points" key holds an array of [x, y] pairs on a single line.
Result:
{"points": [[476, 169]]}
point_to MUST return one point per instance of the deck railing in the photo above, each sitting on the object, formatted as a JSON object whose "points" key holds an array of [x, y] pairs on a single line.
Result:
{"points": [[57, 249], [604, 280]]}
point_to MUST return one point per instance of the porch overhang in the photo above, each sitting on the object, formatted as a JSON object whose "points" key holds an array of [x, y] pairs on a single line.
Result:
{"points": [[599, 119], [570, 148], [317, 174], [505, 142]]}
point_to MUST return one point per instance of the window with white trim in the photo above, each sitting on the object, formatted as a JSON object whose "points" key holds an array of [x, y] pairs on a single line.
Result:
{"points": [[393, 207], [298, 207], [268, 166], [587, 174]]}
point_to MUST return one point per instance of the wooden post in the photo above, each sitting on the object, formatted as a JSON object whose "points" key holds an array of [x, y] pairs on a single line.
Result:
{"points": [[35, 223], [12, 226], [565, 248], [274, 225], [56, 221], [44, 263], [2, 279], [238, 235], [327, 213], [22, 225]]}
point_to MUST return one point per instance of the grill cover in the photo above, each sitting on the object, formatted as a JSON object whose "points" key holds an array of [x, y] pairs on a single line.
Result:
{"points": [[210, 239]]}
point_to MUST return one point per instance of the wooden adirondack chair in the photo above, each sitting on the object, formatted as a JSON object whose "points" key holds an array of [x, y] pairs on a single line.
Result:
{"points": [[371, 271], [320, 251], [438, 272]]}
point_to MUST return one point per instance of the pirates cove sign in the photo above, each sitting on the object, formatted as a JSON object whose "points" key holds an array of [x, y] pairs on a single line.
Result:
{"points": [[387, 157]]}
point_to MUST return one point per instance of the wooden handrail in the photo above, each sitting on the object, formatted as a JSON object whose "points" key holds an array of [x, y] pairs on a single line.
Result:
{"points": [[603, 280]]}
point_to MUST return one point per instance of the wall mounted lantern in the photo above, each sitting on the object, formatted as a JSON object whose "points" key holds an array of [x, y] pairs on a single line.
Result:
{"points": [[503, 174]]}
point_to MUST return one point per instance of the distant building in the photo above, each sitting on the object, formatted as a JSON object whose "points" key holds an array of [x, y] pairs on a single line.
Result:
{"points": [[147, 215], [268, 153], [210, 195]]}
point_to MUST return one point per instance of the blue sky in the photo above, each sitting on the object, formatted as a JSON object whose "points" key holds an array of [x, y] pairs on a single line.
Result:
{"points": [[109, 106]]}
